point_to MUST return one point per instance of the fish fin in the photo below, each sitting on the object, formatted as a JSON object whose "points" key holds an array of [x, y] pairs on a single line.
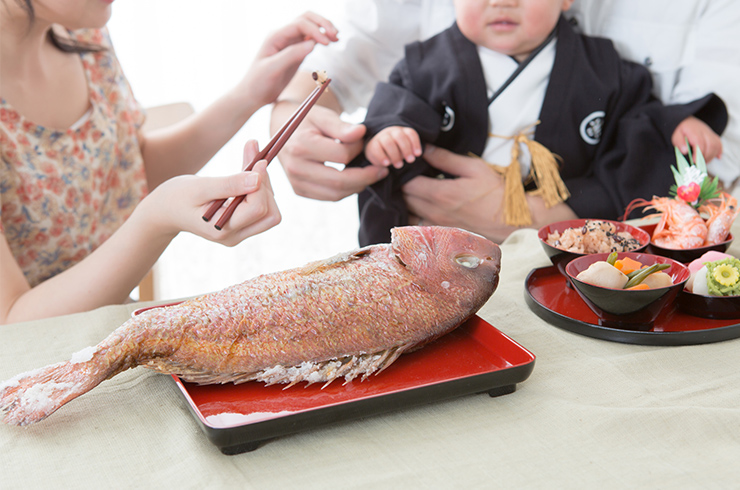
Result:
{"points": [[31, 397], [198, 376], [348, 367], [335, 261], [217, 378], [393, 354]]}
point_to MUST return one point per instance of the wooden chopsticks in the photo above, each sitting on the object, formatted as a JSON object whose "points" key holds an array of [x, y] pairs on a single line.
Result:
{"points": [[268, 152]]}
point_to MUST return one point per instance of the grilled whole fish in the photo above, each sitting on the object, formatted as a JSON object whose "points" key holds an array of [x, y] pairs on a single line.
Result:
{"points": [[348, 316]]}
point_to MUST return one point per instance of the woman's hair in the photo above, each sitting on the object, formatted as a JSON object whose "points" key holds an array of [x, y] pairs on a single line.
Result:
{"points": [[62, 43]]}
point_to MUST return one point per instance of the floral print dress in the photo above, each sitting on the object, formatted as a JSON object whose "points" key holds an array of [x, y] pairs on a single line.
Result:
{"points": [[63, 192]]}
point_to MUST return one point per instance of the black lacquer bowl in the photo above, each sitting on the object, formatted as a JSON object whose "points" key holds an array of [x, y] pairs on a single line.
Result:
{"points": [[688, 254], [560, 258], [623, 308], [715, 307]]}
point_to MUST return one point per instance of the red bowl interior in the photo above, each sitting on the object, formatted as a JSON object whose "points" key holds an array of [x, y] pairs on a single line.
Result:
{"points": [[560, 257]]}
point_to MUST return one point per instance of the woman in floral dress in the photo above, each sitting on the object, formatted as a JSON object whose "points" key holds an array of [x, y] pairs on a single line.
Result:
{"points": [[87, 201]]}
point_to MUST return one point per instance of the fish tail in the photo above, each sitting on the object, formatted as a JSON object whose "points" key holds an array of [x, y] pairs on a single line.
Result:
{"points": [[33, 396]]}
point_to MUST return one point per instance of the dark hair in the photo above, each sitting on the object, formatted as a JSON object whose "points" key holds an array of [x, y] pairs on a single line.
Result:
{"points": [[62, 43]]}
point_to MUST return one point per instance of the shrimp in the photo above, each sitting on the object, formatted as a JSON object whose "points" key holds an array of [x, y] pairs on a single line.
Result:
{"points": [[680, 225], [720, 218]]}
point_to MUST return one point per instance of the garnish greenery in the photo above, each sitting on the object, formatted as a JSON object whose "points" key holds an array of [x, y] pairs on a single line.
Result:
{"points": [[688, 170]]}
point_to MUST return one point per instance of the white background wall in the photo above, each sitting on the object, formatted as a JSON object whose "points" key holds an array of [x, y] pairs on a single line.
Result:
{"points": [[193, 51]]}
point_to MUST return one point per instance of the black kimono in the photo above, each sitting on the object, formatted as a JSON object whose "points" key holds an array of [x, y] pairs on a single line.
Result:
{"points": [[598, 115]]}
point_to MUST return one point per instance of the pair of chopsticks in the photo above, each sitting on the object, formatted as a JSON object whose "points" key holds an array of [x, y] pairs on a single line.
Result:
{"points": [[269, 152]]}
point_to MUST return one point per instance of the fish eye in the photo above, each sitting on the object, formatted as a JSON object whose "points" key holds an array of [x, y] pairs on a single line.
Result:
{"points": [[468, 261]]}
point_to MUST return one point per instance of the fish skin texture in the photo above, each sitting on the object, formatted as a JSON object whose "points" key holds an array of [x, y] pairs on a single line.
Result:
{"points": [[349, 315]]}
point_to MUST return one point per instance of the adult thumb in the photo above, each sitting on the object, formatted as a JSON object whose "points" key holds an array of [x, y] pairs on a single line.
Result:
{"points": [[290, 57], [239, 184], [251, 149], [453, 163], [333, 127]]}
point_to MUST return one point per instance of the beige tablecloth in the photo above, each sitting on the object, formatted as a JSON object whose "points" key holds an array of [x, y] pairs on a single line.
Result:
{"points": [[593, 413]]}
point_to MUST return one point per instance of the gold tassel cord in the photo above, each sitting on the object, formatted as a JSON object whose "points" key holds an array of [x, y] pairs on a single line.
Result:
{"points": [[516, 209], [544, 171]]}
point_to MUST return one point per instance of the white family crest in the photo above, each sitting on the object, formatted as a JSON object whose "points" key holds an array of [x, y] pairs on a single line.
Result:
{"points": [[591, 127], [448, 120]]}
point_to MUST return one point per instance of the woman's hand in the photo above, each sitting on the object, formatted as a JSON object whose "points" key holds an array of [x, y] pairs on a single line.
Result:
{"points": [[280, 55], [179, 204], [185, 147]]}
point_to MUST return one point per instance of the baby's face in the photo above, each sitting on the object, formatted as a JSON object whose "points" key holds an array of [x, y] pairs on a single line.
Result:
{"points": [[511, 27]]}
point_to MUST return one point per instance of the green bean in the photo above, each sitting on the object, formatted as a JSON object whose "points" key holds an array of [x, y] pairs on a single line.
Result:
{"points": [[637, 271], [612, 258], [636, 277], [632, 274]]}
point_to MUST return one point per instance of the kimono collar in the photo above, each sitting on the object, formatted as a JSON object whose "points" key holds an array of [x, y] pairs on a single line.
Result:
{"points": [[523, 65]]}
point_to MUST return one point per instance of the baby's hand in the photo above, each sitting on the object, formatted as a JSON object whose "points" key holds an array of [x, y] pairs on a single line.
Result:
{"points": [[699, 135], [393, 146]]}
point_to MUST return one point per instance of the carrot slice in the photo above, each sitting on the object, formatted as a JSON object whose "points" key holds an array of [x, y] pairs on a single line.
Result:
{"points": [[627, 265], [640, 286]]}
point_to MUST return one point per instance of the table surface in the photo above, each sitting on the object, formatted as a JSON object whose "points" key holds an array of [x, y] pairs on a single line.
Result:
{"points": [[593, 412]]}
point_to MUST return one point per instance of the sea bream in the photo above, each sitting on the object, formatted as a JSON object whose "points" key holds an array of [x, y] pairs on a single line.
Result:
{"points": [[347, 316]]}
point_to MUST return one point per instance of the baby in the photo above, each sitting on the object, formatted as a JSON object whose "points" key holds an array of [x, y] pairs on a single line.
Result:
{"points": [[512, 68]]}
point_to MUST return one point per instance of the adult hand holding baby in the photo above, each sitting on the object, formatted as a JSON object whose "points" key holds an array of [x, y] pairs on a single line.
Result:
{"points": [[473, 200]]}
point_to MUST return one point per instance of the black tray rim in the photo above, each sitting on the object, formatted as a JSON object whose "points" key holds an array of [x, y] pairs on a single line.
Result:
{"points": [[692, 337], [249, 437]]}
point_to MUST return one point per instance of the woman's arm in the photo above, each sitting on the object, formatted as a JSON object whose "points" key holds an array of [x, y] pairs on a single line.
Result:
{"points": [[185, 147], [108, 274]]}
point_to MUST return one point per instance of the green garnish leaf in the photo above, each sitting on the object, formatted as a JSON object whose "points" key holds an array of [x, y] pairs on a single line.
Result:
{"points": [[709, 188]]}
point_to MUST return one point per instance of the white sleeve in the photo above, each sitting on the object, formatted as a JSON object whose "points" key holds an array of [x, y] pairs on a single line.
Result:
{"points": [[715, 67], [372, 36], [693, 51]]}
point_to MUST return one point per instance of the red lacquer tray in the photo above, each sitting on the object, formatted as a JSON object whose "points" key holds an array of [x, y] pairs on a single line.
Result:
{"points": [[552, 299], [474, 358]]}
